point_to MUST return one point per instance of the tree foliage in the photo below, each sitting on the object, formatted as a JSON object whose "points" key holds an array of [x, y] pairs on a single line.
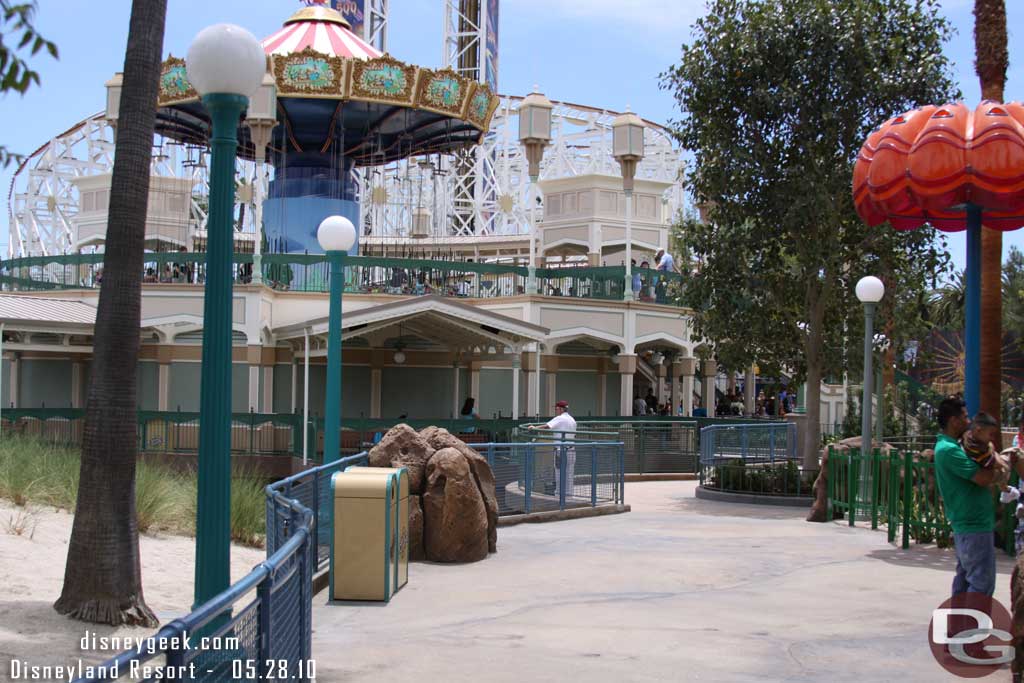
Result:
{"points": [[18, 36], [777, 99]]}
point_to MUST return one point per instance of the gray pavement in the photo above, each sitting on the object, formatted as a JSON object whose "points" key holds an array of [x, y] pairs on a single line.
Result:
{"points": [[679, 589]]}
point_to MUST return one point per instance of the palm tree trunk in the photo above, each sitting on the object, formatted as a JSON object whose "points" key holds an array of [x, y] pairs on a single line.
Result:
{"points": [[103, 578], [991, 62]]}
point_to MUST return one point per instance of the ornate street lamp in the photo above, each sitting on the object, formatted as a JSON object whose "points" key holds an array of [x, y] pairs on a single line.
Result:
{"points": [[114, 86], [225, 64], [534, 135], [628, 150], [336, 236], [954, 168], [261, 118], [870, 291]]}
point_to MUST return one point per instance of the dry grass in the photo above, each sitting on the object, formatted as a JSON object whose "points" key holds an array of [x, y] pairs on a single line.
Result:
{"points": [[32, 471]]}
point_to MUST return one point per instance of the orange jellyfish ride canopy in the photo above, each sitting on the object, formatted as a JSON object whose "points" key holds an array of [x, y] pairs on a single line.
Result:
{"points": [[929, 164]]}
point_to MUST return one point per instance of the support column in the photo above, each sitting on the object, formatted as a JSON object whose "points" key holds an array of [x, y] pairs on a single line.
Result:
{"points": [[531, 366], [456, 404], [77, 368], [707, 394], [516, 366], [163, 386], [254, 388], [295, 384], [627, 368], [659, 391], [749, 391], [551, 382], [602, 390], [677, 370], [687, 368], [474, 383], [15, 380], [267, 406], [375, 395]]}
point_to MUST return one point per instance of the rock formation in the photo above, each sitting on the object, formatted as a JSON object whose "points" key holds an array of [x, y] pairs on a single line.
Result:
{"points": [[453, 511]]}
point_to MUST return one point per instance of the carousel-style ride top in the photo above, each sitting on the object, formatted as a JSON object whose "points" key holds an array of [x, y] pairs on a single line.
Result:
{"points": [[452, 203], [337, 103]]}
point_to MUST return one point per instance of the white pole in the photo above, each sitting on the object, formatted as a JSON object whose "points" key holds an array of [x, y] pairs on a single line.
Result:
{"points": [[629, 294], [257, 258], [455, 394], [305, 404], [531, 284], [516, 364]]}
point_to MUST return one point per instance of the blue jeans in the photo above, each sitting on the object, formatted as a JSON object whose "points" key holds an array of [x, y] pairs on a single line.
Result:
{"points": [[975, 563]]}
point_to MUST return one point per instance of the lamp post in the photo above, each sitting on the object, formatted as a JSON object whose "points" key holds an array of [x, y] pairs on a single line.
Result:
{"points": [[225, 64], [336, 236], [870, 291], [628, 150], [261, 118], [534, 135]]}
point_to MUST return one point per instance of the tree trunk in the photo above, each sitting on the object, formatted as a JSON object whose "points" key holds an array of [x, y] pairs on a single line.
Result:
{"points": [[816, 297], [991, 63], [102, 578]]}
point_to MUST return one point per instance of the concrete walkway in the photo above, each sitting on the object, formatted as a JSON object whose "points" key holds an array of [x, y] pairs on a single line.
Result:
{"points": [[680, 589]]}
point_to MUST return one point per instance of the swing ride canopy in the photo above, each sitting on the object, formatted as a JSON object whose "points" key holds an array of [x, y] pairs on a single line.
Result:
{"points": [[338, 95], [926, 165]]}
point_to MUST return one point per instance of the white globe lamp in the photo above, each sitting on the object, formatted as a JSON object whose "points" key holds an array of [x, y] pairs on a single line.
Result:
{"points": [[336, 233], [870, 290], [225, 59]]}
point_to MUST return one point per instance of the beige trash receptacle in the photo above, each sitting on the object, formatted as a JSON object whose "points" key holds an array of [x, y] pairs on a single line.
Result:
{"points": [[363, 542], [401, 526]]}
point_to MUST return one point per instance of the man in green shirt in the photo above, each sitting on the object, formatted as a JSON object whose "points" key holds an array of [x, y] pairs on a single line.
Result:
{"points": [[964, 487]]}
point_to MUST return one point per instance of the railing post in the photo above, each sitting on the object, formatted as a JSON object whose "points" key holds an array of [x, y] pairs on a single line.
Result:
{"points": [[851, 490], [875, 454], [593, 475], [266, 651], [908, 473], [830, 483], [528, 473], [563, 467], [894, 481], [622, 475]]}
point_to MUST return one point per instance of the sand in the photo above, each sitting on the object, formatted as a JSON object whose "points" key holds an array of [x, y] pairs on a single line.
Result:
{"points": [[32, 573]]}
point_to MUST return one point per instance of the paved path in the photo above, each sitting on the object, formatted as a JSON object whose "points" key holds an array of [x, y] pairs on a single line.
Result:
{"points": [[680, 589]]}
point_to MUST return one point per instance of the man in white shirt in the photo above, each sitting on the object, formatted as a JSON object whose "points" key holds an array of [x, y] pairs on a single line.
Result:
{"points": [[565, 426], [665, 261]]}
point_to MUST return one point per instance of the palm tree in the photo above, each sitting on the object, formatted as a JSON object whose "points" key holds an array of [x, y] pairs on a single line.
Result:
{"points": [[991, 60], [102, 578], [946, 303]]}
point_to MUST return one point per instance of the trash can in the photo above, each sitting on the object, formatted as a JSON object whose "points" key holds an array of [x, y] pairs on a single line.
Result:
{"points": [[363, 544], [401, 517]]}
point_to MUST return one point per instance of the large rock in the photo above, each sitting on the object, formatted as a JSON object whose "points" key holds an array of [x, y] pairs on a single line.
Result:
{"points": [[402, 446], [454, 514], [416, 552], [439, 438]]}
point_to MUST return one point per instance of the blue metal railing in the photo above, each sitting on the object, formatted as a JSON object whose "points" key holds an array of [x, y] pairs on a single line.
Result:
{"points": [[238, 635], [311, 488], [764, 442], [555, 475]]}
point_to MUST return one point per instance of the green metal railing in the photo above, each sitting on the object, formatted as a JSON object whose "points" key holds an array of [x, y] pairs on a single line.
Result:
{"points": [[652, 444], [363, 275], [900, 492], [165, 431]]}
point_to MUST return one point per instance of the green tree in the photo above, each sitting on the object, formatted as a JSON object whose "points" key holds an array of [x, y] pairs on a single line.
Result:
{"points": [[777, 100], [17, 22], [103, 578]]}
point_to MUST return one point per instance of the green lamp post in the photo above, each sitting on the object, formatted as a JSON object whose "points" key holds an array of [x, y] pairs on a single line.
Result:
{"points": [[225, 64], [870, 291], [336, 236]]}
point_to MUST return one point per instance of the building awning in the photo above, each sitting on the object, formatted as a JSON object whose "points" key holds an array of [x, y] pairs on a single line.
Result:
{"points": [[37, 314], [438, 319]]}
